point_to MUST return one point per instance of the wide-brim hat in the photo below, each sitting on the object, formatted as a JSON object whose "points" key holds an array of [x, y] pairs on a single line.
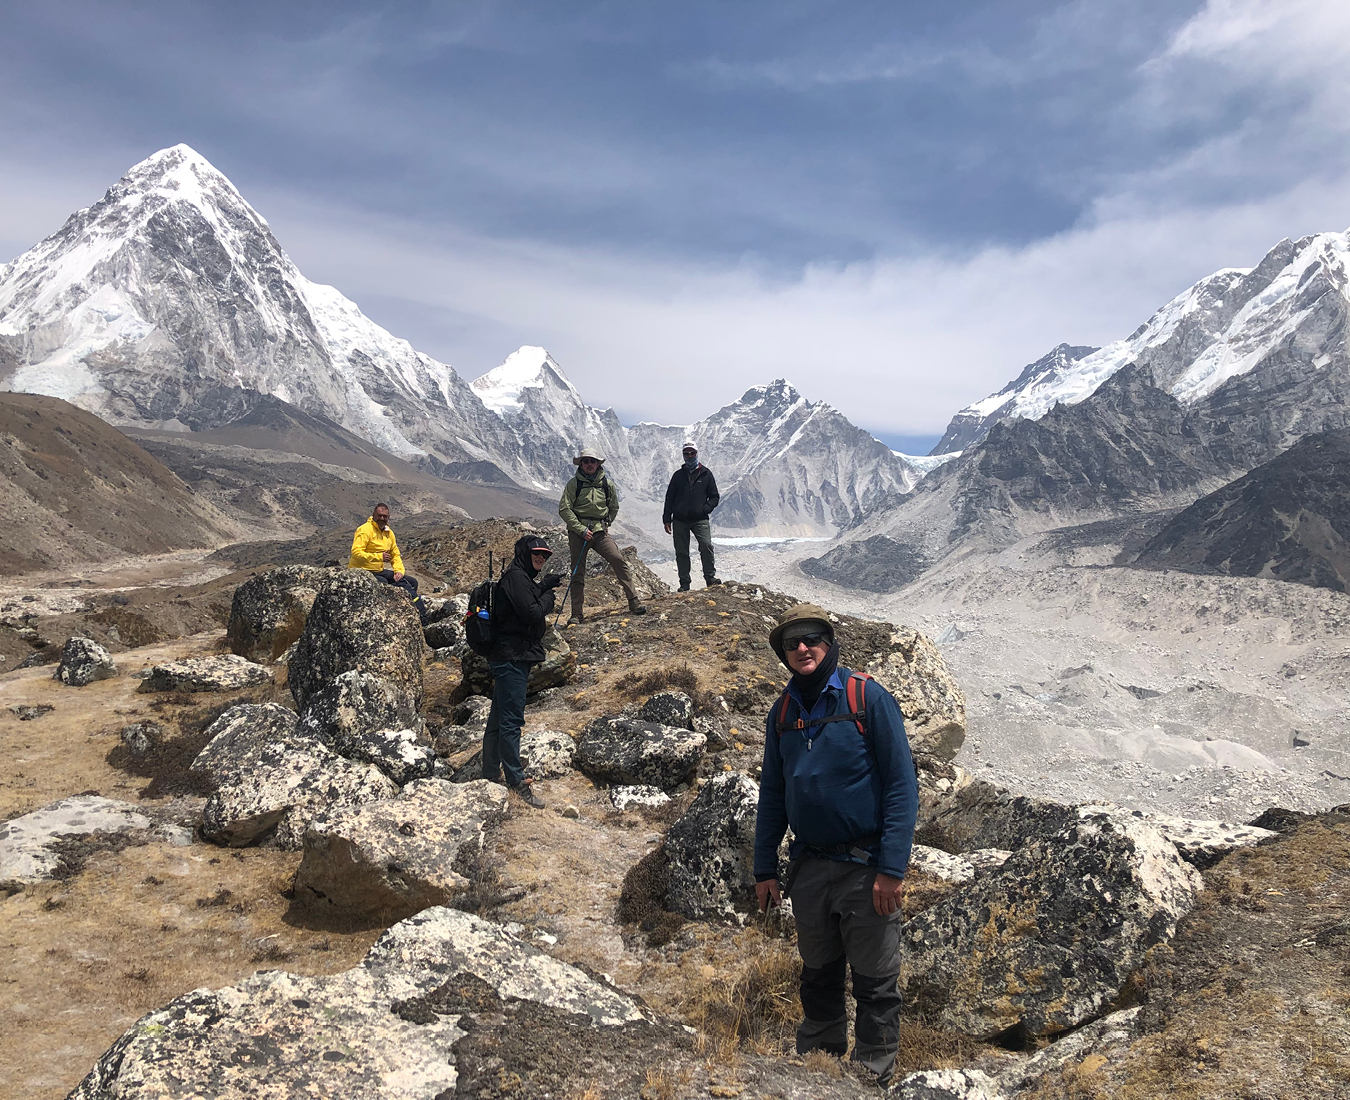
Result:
{"points": [[798, 613], [589, 452]]}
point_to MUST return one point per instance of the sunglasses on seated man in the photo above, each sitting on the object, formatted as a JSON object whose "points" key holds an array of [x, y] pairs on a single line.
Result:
{"points": [[808, 640]]}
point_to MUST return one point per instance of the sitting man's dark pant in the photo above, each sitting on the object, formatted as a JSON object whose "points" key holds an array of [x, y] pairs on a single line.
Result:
{"points": [[702, 532], [501, 738], [409, 585]]}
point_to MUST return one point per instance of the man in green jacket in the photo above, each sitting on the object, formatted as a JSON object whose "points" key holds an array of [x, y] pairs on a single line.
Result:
{"points": [[589, 504]]}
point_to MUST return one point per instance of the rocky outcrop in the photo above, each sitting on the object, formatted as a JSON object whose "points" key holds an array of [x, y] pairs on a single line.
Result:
{"points": [[669, 708], [1047, 942], [955, 869], [227, 673], [1204, 843], [373, 720], [633, 753], [934, 707], [387, 860], [711, 849], [271, 780], [948, 1084], [557, 668], [384, 1030], [358, 624], [268, 612], [29, 844], [82, 662]]}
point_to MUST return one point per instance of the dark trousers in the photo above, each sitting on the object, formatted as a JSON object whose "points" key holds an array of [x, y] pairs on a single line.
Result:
{"points": [[501, 738], [601, 543], [838, 929], [702, 532], [409, 585]]}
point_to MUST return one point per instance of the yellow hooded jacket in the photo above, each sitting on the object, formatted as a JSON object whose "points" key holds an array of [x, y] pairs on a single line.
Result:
{"points": [[368, 547]]}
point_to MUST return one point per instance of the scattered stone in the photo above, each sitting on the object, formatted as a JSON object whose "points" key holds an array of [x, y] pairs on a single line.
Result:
{"points": [[28, 713], [716, 728], [630, 752], [546, 754], [933, 705], [446, 634], [358, 624], [1204, 843], [141, 737], [1048, 941], [226, 673], [387, 860], [711, 849], [271, 780], [557, 668], [384, 1030], [624, 797], [669, 708], [268, 612], [571, 812], [82, 662], [948, 1084], [28, 844]]}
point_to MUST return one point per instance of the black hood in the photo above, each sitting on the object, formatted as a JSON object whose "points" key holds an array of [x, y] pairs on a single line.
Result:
{"points": [[524, 546]]}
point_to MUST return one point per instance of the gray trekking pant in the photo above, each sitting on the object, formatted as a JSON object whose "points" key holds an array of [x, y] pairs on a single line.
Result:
{"points": [[837, 928], [601, 543], [702, 532]]}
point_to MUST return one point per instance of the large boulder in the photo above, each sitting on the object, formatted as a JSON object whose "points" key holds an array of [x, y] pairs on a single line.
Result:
{"points": [[226, 673], [670, 708], [913, 671], [557, 668], [388, 860], [544, 754], [629, 752], [268, 611], [371, 719], [271, 780], [1047, 942], [1204, 843], [711, 849], [30, 844], [385, 1030], [358, 624], [82, 662]]}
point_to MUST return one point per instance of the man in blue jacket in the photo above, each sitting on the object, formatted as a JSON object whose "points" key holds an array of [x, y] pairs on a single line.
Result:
{"points": [[837, 769]]}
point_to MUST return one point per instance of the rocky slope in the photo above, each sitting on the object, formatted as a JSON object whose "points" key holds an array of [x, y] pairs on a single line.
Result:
{"points": [[1288, 519]]}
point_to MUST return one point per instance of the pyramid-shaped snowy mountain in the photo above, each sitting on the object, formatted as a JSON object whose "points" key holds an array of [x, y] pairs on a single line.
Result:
{"points": [[170, 303]]}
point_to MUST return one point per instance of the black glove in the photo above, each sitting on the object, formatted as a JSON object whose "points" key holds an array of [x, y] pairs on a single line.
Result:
{"points": [[551, 581]]}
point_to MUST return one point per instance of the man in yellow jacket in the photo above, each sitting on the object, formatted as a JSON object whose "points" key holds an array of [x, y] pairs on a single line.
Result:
{"points": [[374, 547]]}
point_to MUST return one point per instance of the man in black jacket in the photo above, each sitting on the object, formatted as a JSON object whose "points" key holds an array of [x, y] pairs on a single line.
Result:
{"points": [[690, 498], [520, 614]]}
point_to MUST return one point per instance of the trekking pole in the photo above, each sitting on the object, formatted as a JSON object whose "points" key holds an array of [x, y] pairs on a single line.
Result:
{"points": [[563, 602]]}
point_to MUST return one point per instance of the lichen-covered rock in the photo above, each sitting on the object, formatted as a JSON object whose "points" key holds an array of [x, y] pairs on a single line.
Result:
{"points": [[711, 849], [955, 869], [958, 813], [633, 753], [371, 1032], [1204, 843], [225, 673], [622, 798], [948, 1084], [28, 844], [368, 718], [1048, 941], [1113, 1030], [544, 754], [141, 737], [271, 780], [82, 662], [669, 708], [358, 624], [934, 707], [557, 668], [387, 860], [268, 611]]}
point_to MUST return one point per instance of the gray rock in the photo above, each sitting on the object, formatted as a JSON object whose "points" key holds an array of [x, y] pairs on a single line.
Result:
{"points": [[141, 737], [629, 752], [1119, 1027], [358, 624], [1048, 941], [956, 869], [367, 718], [268, 611], [350, 1034], [82, 662], [271, 780], [28, 851], [446, 634], [30, 713], [387, 860], [473, 713], [958, 813], [711, 849], [1204, 843], [669, 708], [622, 798], [913, 671], [557, 668], [716, 728], [948, 1084], [226, 673], [544, 754]]}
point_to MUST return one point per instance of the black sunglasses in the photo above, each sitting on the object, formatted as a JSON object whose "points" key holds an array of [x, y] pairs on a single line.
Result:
{"points": [[810, 640]]}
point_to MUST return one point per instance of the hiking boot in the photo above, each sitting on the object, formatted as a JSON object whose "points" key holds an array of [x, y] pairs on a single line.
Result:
{"points": [[635, 608], [682, 588], [526, 794], [711, 582], [577, 619]]}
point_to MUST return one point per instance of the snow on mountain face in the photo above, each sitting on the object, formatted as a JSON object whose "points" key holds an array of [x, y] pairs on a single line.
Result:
{"points": [[169, 301], [1228, 325]]}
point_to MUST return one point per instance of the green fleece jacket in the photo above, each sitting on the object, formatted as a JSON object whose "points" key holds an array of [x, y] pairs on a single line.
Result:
{"points": [[589, 502]]}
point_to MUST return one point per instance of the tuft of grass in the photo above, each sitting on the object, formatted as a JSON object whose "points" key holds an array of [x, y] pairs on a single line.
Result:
{"points": [[756, 1003], [671, 678]]}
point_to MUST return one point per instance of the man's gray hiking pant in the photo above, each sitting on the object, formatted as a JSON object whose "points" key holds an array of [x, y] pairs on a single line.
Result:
{"points": [[702, 532]]}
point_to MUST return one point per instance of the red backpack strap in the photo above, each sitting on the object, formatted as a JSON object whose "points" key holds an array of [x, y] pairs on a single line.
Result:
{"points": [[856, 694], [781, 724]]}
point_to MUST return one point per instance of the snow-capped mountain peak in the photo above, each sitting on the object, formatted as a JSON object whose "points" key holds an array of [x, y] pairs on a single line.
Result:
{"points": [[529, 368]]}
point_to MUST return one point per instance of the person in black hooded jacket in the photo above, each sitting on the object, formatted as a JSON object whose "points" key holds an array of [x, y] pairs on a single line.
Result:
{"points": [[519, 621]]}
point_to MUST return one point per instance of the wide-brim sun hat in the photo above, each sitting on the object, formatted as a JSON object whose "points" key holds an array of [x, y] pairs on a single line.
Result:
{"points": [[589, 452], [801, 613]]}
